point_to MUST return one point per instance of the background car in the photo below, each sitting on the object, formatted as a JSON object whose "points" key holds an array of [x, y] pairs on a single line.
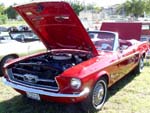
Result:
{"points": [[4, 36], [24, 36], [23, 28], [145, 33], [3, 29]]}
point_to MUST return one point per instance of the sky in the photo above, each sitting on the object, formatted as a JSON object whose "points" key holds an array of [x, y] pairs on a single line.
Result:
{"points": [[101, 3]]}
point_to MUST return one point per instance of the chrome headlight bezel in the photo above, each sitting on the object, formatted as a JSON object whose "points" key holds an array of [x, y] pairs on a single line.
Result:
{"points": [[75, 83]]}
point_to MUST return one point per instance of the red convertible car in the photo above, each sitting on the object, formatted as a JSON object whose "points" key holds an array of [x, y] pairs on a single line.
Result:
{"points": [[79, 66]]}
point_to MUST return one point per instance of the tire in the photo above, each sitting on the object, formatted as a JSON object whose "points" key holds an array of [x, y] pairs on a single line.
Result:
{"points": [[5, 60], [140, 66], [96, 98]]}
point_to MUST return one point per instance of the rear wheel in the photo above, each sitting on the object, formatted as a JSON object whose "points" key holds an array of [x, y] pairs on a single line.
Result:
{"points": [[5, 60], [96, 98], [140, 66]]}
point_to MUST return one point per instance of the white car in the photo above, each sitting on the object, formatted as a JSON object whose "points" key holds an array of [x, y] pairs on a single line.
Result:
{"points": [[11, 49]]}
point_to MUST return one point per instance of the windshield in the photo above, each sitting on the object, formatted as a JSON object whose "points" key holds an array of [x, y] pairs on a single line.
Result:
{"points": [[24, 36], [103, 40]]}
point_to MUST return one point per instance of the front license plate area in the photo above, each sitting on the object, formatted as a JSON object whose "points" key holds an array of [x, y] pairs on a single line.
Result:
{"points": [[33, 96]]}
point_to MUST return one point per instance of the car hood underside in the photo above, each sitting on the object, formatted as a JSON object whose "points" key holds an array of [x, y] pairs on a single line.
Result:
{"points": [[57, 25]]}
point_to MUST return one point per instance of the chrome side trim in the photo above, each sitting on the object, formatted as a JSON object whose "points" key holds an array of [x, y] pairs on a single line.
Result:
{"points": [[42, 92]]}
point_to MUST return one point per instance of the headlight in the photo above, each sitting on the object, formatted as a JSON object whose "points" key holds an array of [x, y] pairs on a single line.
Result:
{"points": [[75, 83]]}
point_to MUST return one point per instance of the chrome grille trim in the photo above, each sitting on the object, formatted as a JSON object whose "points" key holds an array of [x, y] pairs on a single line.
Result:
{"points": [[35, 86], [38, 80]]}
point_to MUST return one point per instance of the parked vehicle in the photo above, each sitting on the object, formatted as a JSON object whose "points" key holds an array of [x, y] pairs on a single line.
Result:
{"points": [[145, 37], [3, 29], [13, 48], [23, 28], [4, 36], [23, 36], [76, 69], [12, 28], [145, 33]]}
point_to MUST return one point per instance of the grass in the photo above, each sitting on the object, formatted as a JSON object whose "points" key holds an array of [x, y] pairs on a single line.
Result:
{"points": [[129, 95]]}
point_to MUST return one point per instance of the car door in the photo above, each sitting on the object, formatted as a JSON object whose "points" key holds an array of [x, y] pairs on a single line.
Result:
{"points": [[114, 69], [128, 60], [122, 63]]}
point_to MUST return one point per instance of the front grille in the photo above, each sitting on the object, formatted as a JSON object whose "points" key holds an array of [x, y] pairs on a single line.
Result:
{"points": [[33, 78]]}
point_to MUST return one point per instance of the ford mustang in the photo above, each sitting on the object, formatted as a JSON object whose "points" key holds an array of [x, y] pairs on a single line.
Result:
{"points": [[78, 66]]}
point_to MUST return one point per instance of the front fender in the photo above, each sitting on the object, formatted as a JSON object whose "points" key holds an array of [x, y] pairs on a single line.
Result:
{"points": [[101, 74], [90, 81]]}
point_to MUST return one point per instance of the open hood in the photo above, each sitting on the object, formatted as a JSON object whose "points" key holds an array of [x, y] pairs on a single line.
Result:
{"points": [[126, 30], [57, 25]]}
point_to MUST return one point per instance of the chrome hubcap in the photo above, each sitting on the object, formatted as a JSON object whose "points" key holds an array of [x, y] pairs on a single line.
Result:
{"points": [[98, 94], [141, 64]]}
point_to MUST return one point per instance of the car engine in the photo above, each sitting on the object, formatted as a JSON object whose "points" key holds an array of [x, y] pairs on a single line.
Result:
{"points": [[42, 70]]}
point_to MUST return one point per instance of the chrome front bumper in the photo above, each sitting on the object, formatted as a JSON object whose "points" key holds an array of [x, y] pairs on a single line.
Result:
{"points": [[46, 93]]}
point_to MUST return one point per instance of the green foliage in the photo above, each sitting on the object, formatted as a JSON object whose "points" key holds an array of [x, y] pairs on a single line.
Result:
{"points": [[120, 9], [11, 13], [97, 9], [77, 7], [89, 7], [147, 6], [135, 8], [94, 8], [2, 8], [3, 19]]}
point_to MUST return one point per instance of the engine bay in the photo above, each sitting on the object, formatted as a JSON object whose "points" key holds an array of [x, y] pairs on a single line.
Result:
{"points": [[41, 70], [56, 63]]}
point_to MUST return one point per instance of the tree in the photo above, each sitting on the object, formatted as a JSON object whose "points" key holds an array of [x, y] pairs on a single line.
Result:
{"points": [[3, 17], [133, 7], [97, 9], [120, 9], [2, 8], [147, 6], [89, 7], [94, 8], [11, 13], [77, 7]]}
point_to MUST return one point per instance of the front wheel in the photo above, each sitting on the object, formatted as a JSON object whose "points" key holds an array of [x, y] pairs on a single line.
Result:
{"points": [[96, 98]]}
